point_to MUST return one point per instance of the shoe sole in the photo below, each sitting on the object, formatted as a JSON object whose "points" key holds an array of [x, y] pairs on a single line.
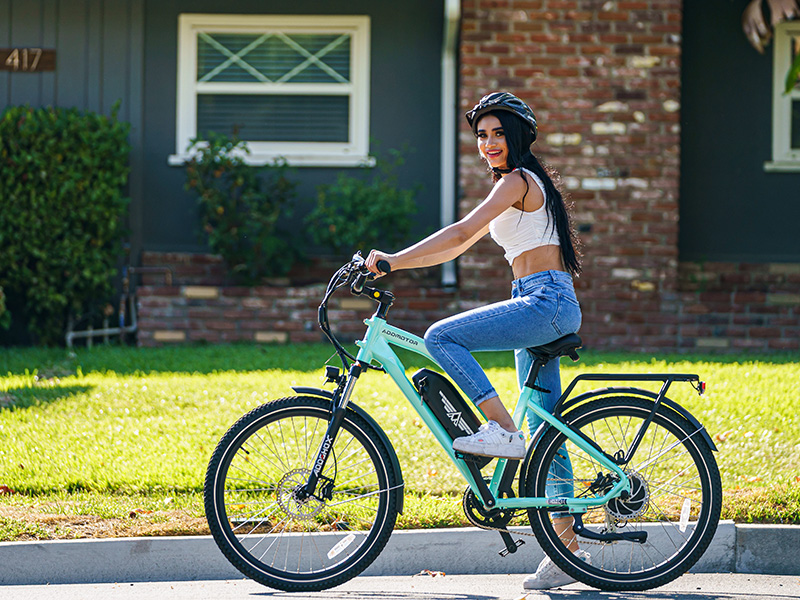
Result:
{"points": [[490, 455]]}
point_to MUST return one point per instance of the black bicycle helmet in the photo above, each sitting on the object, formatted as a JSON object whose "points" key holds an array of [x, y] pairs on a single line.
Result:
{"points": [[501, 101]]}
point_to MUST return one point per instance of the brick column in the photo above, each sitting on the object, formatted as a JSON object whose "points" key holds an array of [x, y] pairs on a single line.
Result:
{"points": [[603, 78]]}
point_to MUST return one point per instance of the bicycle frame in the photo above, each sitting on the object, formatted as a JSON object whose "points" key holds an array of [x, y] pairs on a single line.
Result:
{"points": [[377, 346]]}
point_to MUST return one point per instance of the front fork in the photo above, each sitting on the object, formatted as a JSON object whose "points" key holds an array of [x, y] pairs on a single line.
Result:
{"points": [[341, 398]]}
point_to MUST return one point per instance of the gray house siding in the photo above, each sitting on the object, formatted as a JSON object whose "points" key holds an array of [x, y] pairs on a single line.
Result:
{"points": [[109, 50], [99, 53], [730, 208], [405, 80]]}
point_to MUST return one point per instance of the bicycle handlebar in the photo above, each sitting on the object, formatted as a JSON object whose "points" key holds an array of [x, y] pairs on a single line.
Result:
{"points": [[364, 274], [355, 275], [384, 266]]}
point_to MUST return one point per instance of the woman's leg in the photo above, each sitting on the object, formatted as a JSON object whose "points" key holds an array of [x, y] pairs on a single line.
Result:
{"points": [[507, 325], [560, 474]]}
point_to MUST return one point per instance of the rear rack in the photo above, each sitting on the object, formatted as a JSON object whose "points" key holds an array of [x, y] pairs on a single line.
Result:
{"points": [[667, 378]]}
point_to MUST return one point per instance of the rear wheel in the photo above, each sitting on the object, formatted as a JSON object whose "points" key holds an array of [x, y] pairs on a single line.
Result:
{"points": [[266, 527], [676, 495]]}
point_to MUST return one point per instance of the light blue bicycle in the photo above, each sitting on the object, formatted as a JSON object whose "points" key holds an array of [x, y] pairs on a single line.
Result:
{"points": [[302, 493]]}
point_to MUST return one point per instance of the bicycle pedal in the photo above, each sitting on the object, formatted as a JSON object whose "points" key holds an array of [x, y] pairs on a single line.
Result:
{"points": [[473, 458], [506, 551]]}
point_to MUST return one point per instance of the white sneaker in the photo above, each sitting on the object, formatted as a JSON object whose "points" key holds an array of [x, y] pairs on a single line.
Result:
{"points": [[548, 575], [492, 440]]}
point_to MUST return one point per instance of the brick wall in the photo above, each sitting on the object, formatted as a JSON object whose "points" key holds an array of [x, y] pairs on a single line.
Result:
{"points": [[603, 78], [201, 304], [739, 306]]}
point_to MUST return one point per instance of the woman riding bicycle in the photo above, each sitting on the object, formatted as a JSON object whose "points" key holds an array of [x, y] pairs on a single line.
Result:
{"points": [[526, 215]]}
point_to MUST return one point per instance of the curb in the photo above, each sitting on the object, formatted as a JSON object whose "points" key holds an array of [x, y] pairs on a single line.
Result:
{"points": [[735, 548]]}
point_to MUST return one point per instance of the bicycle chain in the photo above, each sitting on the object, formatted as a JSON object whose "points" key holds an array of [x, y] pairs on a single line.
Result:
{"points": [[584, 542], [508, 531]]}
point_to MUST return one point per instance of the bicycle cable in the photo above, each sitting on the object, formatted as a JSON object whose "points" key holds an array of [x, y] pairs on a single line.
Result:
{"points": [[348, 275]]}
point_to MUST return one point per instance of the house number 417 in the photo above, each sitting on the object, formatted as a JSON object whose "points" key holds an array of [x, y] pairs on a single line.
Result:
{"points": [[23, 59]]}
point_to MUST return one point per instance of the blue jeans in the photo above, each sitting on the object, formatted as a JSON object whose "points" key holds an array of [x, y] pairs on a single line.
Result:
{"points": [[542, 308]]}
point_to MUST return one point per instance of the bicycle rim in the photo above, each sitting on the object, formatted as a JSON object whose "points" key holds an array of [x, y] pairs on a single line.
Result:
{"points": [[265, 530], [676, 495]]}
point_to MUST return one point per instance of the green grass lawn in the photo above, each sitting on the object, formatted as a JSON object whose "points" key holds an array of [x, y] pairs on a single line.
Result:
{"points": [[115, 441]]}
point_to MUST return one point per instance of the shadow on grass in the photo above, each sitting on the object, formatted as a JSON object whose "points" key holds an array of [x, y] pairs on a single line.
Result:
{"points": [[205, 359], [40, 393]]}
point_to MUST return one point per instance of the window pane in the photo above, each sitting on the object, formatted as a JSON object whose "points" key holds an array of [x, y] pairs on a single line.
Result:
{"points": [[795, 143], [275, 118], [273, 57]]}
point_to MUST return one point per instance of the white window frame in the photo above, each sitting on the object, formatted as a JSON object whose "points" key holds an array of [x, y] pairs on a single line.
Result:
{"points": [[355, 152], [783, 157]]}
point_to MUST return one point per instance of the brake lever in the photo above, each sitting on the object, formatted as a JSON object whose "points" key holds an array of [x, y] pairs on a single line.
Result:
{"points": [[364, 274], [358, 284]]}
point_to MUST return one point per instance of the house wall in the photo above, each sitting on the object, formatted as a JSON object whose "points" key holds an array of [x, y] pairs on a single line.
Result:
{"points": [[661, 272], [99, 49], [109, 50], [604, 81], [197, 305], [98, 44], [404, 110], [732, 210], [739, 271]]}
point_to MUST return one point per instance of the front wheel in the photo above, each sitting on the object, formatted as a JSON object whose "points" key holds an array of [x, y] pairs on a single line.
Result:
{"points": [[676, 495], [270, 531]]}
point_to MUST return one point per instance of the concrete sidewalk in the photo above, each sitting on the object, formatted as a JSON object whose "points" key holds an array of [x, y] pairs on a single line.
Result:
{"points": [[764, 549], [693, 586]]}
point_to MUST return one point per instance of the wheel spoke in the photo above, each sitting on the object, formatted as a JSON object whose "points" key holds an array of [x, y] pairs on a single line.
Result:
{"points": [[671, 475], [260, 486]]}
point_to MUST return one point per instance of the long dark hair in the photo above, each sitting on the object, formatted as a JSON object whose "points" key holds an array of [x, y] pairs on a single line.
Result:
{"points": [[519, 138]]}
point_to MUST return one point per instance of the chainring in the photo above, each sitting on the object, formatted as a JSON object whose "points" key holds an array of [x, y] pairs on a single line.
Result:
{"points": [[479, 516]]}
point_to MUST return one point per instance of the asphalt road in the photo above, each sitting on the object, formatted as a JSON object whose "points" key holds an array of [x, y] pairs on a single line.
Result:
{"points": [[701, 586]]}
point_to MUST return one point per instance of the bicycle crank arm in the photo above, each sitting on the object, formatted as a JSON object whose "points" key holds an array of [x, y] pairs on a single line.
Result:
{"points": [[483, 490], [627, 536]]}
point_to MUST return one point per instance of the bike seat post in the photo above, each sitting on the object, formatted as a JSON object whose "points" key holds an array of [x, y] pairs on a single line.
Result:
{"points": [[533, 373]]}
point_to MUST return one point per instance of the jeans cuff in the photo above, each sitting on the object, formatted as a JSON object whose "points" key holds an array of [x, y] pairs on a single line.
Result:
{"points": [[484, 396]]}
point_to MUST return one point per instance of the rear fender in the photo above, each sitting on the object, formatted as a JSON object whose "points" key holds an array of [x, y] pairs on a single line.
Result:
{"points": [[562, 411], [566, 407]]}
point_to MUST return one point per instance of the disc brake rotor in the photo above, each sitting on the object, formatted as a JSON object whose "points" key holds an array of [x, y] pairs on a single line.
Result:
{"points": [[288, 500], [635, 504]]}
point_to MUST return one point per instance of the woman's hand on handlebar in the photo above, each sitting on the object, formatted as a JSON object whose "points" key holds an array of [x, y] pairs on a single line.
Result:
{"points": [[372, 262]]}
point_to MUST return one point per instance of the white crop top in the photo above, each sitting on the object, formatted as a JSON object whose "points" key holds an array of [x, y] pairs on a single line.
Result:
{"points": [[518, 231]]}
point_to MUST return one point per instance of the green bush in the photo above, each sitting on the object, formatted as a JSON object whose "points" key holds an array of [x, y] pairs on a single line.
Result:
{"points": [[62, 172], [5, 316], [353, 214], [240, 206]]}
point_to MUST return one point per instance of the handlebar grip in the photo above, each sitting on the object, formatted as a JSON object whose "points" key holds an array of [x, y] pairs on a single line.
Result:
{"points": [[384, 266]]}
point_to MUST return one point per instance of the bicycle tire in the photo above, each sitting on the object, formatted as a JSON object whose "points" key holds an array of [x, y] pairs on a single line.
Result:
{"points": [[262, 528], [676, 496]]}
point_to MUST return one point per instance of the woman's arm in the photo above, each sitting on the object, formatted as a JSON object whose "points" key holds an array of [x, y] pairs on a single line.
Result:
{"points": [[425, 253], [452, 241]]}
